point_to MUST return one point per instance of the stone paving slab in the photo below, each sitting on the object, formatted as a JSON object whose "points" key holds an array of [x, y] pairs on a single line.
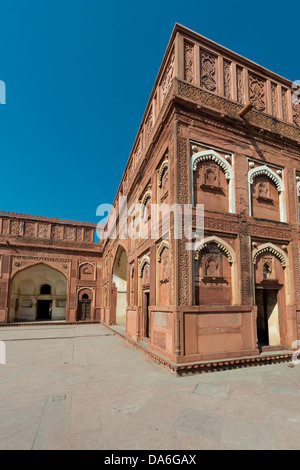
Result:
{"points": [[82, 387]]}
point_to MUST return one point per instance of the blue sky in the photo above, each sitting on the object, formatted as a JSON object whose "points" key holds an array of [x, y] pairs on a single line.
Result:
{"points": [[79, 75]]}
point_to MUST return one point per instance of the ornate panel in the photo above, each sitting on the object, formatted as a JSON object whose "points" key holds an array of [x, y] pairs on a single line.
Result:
{"points": [[43, 231], [57, 231], [257, 92], [30, 229], [284, 105], [246, 270], [70, 233], [227, 79], [15, 227], [188, 62], [208, 72], [274, 100], [239, 85], [296, 114], [167, 78], [149, 124]]}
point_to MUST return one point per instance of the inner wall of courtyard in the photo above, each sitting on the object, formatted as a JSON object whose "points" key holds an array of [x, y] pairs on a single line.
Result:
{"points": [[220, 131]]}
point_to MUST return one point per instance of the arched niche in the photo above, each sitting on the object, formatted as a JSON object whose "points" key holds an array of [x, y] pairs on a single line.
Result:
{"points": [[86, 271], [215, 272], [163, 182], [266, 194], [119, 279], [163, 274], [212, 173]]}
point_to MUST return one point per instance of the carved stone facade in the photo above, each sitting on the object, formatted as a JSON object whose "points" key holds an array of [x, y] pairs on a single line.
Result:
{"points": [[237, 294], [39, 281]]}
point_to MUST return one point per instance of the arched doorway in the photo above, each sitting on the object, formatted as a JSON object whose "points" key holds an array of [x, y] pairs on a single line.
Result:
{"points": [[38, 293], [84, 311], [119, 279]]}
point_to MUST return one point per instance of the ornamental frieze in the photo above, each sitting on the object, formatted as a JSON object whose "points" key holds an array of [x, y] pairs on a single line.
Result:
{"points": [[255, 117]]}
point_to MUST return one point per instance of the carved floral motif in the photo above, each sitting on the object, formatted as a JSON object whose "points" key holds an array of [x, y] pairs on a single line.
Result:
{"points": [[239, 85], [296, 114], [167, 78], [257, 92], [29, 229], [188, 62], [227, 79], [43, 231], [14, 227], [274, 99], [208, 71], [284, 105]]}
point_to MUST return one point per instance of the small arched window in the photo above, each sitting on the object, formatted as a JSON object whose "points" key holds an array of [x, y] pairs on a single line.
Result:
{"points": [[85, 297], [45, 289]]}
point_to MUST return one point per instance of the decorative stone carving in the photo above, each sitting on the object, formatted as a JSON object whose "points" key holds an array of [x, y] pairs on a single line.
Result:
{"points": [[270, 248], [264, 170], [188, 62], [57, 231], [43, 231], [284, 105], [88, 236], [274, 100], [239, 85], [213, 156], [257, 92], [167, 78], [70, 233], [149, 124], [227, 79], [221, 246], [296, 114], [15, 227], [29, 229], [208, 71]]}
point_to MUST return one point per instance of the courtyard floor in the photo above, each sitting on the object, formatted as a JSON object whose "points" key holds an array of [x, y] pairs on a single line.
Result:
{"points": [[82, 387]]}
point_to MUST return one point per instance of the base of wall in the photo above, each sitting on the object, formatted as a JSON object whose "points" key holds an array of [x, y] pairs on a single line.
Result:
{"points": [[264, 358], [48, 323]]}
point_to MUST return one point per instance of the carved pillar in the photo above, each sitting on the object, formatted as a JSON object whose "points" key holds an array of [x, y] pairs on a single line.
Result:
{"points": [[291, 196], [246, 266], [295, 270], [182, 197]]}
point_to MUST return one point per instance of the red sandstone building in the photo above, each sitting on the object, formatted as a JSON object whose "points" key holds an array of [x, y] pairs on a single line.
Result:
{"points": [[218, 130]]}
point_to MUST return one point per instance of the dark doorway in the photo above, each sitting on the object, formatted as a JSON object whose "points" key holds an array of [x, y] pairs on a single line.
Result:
{"points": [[46, 289], [84, 309], [146, 303], [44, 309], [267, 317]]}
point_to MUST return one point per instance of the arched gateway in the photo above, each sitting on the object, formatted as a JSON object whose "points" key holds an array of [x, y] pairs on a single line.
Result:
{"points": [[38, 293], [119, 278]]}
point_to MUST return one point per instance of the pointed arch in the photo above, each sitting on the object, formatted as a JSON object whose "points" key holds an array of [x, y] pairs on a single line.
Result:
{"points": [[163, 167], [277, 180], [221, 244], [231, 256], [265, 170], [223, 164], [164, 244], [274, 250], [146, 196], [145, 260]]}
